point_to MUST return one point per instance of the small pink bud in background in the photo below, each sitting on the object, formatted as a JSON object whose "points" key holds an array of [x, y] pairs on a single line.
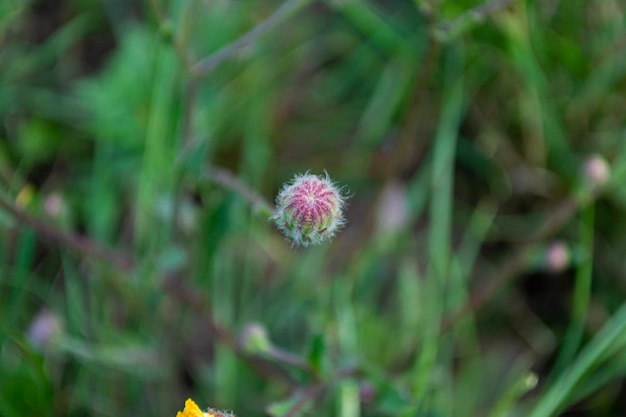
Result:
{"points": [[393, 213], [557, 257], [597, 170], [45, 326], [309, 210], [54, 205], [367, 392]]}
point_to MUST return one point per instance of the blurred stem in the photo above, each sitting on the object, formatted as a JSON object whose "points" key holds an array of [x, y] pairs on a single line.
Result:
{"points": [[582, 293], [317, 388], [79, 244], [189, 94], [415, 123], [288, 358], [160, 148], [229, 181], [307, 395], [170, 33], [207, 64], [507, 401], [350, 404]]}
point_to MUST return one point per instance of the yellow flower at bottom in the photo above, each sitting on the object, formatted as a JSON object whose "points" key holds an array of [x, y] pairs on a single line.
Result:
{"points": [[192, 410]]}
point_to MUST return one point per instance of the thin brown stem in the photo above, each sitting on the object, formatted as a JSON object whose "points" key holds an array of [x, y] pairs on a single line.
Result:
{"points": [[212, 61], [229, 181], [307, 395], [291, 359], [80, 244]]}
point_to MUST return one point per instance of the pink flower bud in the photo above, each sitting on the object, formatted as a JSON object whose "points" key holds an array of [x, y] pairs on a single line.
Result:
{"points": [[309, 210], [558, 256], [44, 328], [597, 170]]}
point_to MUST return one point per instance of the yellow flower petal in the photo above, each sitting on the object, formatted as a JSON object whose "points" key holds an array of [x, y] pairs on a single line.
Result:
{"points": [[191, 410]]}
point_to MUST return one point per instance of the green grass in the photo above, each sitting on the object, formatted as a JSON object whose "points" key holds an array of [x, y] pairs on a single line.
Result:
{"points": [[142, 145]]}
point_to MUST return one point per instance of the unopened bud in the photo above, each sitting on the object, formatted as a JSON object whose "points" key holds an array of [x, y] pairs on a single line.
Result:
{"points": [[597, 171], [44, 327], [54, 205], [557, 256], [254, 339], [531, 380], [393, 213], [367, 392], [309, 210]]}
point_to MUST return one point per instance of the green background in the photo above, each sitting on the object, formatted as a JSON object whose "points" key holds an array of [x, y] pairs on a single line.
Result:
{"points": [[480, 271]]}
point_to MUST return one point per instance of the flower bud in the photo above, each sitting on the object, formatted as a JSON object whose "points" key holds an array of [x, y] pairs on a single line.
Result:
{"points": [[597, 170], [44, 328], [531, 380], [309, 210], [254, 339], [557, 257], [54, 205], [367, 392]]}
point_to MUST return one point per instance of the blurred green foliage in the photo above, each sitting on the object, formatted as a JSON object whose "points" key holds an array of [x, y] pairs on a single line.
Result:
{"points": [[480, 271]]}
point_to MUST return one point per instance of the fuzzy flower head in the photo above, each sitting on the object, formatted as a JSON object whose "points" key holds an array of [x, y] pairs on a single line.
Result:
{"points": [[309, 209], [192, 410]]}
